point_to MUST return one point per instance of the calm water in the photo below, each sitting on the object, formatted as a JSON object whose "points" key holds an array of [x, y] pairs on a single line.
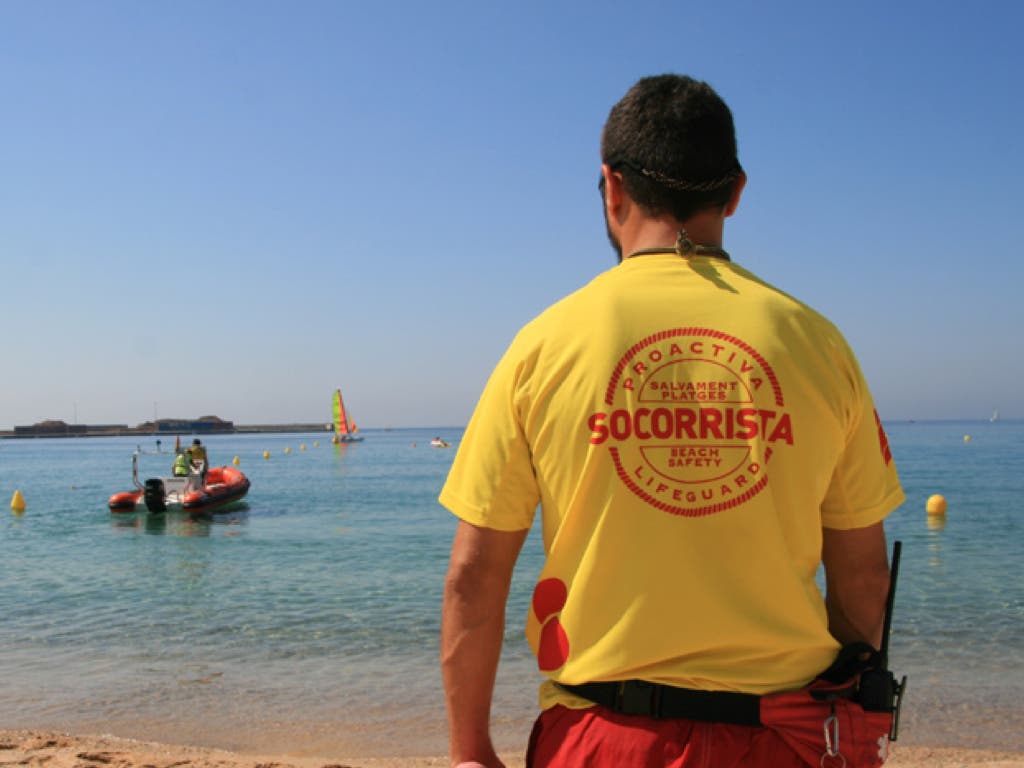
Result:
{"points": [[307, 619]]}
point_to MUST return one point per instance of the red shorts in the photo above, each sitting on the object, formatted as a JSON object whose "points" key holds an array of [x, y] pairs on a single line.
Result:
{"points": [[599, 738], [792, 736]]}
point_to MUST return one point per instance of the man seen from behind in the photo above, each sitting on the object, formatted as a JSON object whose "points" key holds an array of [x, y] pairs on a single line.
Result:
{"points": [[698, 443]]}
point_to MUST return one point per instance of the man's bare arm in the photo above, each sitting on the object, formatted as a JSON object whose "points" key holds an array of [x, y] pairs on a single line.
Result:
{"points": [[857, 581], [472, 630]]}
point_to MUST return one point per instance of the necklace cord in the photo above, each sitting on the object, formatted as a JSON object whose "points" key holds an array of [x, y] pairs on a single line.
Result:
{"points": [[685, 247]]}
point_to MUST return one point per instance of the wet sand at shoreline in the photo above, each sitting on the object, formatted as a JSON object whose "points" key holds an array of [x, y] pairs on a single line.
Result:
{"points": [[61, 750]]}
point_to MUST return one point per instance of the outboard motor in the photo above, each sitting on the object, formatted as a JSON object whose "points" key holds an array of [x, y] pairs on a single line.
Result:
{"points": [[154, 495]]}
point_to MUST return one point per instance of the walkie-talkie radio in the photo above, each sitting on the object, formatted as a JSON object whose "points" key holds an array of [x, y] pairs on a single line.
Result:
{"points": [[879, 691]]}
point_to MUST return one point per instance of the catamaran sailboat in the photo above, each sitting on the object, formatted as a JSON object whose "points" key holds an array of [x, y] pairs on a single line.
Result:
{"points": [[345, 429]]}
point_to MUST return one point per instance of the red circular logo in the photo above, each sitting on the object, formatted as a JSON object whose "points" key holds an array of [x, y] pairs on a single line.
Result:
{"points": [[690, 419]]}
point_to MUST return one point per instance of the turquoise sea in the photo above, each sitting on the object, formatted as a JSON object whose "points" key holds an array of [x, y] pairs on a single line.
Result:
{"points": [[306, 620]]}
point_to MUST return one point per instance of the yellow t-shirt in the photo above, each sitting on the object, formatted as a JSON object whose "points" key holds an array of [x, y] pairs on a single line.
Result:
{"points": [[687, 431]]}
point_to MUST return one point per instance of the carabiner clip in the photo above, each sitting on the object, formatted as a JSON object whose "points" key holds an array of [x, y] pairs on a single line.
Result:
{"points": [[831, 730]]}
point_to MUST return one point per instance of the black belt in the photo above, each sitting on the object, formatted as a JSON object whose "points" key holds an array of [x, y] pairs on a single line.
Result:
{"points": [[639, 697]]}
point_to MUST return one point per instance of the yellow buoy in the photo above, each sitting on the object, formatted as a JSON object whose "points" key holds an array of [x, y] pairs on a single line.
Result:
{"points": [[236, 461], [266, 454], [316, 443], [17, 503], [967, 438], [302, 447], [936, 505], [287, 450]]}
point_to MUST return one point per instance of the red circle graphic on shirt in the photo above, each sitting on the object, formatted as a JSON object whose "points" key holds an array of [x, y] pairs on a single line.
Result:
{"points": [[691, 417], [553, 650], [549, 598]]}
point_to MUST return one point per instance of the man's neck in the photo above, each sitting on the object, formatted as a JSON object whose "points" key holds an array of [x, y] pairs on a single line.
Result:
{"points": [[661, 233]]}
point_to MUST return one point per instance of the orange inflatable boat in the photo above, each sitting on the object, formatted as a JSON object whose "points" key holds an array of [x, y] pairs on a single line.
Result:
{"points": [[223, 486]]}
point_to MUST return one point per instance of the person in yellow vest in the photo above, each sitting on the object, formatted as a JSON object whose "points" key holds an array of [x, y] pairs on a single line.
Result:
{"points": [[698, 443], [181, 462], [199, 458]]}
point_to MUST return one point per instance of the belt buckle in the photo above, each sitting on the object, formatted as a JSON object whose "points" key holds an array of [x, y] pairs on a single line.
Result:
{"points": [[637, 697]]}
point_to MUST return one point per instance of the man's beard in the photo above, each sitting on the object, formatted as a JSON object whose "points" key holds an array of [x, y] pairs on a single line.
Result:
{"points": [[616, 245]]}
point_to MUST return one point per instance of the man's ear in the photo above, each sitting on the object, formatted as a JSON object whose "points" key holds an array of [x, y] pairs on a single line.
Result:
{"points": [[613, 190], [737, 192]]}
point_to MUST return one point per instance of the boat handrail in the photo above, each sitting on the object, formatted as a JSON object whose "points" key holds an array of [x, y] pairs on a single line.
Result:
{"points": [[135, 471]]}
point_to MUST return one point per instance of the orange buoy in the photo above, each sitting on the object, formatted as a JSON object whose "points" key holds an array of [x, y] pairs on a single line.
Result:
{"points": [[936, 505]]}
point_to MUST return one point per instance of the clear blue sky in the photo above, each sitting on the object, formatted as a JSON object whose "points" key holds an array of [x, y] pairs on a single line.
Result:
{"points": [[232, 208]]}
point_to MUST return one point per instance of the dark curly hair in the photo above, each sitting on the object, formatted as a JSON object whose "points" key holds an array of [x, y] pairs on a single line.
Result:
{"points": [[672, 138]]}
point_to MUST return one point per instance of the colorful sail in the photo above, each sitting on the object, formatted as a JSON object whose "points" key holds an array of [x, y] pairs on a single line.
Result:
{"points": [[341, 419], [345, 429]]}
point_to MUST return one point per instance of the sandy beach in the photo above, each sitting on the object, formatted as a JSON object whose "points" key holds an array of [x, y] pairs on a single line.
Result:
{"points": [[63, 750]]}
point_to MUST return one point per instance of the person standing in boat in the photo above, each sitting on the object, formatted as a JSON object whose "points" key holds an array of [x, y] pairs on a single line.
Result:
{"points": [[181, 462], [199, 458], [698, 443]]}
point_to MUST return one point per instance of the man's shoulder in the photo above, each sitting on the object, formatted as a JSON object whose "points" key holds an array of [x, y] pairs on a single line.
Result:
{"points": [[555, 315], [787, 303]]}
